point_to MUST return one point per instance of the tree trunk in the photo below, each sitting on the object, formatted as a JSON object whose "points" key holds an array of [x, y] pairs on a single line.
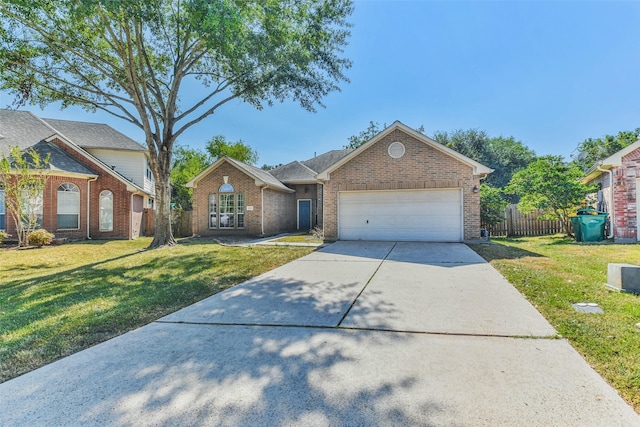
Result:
{"points": [[163, 235]]}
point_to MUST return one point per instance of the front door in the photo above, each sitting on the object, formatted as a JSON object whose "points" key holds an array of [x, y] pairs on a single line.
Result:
{"points": [[304, 214]]}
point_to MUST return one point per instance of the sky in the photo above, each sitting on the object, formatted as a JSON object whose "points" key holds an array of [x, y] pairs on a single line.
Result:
{"points": [[549, 73]]}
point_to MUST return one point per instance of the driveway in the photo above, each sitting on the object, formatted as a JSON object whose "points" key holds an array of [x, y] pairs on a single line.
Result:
{"points": [[358, 333]]}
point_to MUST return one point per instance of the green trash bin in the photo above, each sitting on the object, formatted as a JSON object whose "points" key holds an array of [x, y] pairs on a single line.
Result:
{"points": [[575, 222], [592, 226]]}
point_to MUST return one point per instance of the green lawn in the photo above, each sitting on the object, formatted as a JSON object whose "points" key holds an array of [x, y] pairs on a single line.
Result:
{"points": [[553, 273], [57, 300], [302, 238]]}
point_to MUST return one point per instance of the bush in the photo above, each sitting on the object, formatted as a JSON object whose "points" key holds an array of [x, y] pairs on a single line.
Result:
{"points": [[39, 238], [3, 235]]}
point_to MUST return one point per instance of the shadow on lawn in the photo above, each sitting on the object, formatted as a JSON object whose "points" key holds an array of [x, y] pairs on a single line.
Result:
{"points": [[76, 308], [497, 251]]}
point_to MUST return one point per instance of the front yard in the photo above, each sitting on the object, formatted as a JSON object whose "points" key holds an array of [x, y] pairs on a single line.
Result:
{"points": [[58, 300], [553, 273]]}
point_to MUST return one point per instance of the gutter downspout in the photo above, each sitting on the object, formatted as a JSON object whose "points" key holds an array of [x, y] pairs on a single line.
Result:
{"points": [[89, 205], [611, 205], [262, 209]]}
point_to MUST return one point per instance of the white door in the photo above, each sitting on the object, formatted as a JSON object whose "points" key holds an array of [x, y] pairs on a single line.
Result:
{"points": [[410, 215]]}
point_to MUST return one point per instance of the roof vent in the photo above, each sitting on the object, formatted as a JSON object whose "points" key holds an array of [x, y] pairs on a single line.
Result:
{"points": [[396, 149]]}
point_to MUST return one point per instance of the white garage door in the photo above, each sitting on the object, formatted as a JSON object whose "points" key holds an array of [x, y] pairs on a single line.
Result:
{"points": [[420, 215]]}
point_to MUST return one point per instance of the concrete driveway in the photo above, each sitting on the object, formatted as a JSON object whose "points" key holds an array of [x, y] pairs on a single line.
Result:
{"points": [[358, 333]]}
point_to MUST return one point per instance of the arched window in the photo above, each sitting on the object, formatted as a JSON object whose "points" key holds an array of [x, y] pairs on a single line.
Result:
{"points": [[68, 207], [106, 211]]}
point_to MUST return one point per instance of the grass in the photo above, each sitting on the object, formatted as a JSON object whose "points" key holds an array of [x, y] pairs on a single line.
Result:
{"points": [[302, 238], [55, 301], [553, 273]]}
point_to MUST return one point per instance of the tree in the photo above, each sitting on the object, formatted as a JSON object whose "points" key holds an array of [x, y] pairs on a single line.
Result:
{"points": [[592, 150], [366, 135], [218, 147], [142, 61], [505, 156], [187, 164], [23, 177], [492, 205], [552, 185], [266, 167]]}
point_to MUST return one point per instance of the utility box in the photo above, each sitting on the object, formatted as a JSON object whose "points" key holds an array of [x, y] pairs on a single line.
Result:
{"points": [[624, 277]]}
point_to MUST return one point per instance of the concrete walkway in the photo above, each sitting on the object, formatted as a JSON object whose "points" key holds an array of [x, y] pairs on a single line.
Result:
{"points": [[358, 333]]}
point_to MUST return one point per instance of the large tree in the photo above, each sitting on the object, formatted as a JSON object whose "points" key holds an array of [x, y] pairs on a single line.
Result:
{"points": [[187, 164], [550, 184], [165, 65], [592, 150], [505, 155]]}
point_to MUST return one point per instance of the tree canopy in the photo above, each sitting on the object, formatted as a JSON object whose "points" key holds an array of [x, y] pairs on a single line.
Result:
{"points": [[187, 164], [550, 184], [218, 147], [166, 65], [505, 155], [592, 150]]}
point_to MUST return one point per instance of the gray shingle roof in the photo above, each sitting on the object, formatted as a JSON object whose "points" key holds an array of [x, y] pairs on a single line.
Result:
{"points": [[94, 135], [25, 130], [262, 175], [323, 161], [293, 172]]}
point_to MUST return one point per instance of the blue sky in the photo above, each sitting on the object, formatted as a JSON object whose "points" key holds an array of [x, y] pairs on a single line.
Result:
{"points": [[549, 73]]}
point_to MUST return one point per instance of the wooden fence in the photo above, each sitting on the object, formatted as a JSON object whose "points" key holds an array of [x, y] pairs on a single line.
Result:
{"points": [[518, 224]]}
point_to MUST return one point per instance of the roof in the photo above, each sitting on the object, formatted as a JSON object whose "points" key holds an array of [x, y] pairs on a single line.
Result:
{"points": [[323, 161], [611, 161], [478, 168], [94, 135], [262, 177], [25, 130], [294, 172]]}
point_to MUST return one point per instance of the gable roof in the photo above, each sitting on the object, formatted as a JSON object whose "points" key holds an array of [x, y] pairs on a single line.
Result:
{"points": [[294, 172], [478, 168], [24, 130], [323, 161], [610, 162], [261, 177], [94, 135]]}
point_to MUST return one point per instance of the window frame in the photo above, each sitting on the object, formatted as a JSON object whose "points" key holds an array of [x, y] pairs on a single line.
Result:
{"points": [[102, 209], [73, 189], [213, 213]]}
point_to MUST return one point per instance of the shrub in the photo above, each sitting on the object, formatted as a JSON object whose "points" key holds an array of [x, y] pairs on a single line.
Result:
{"points": [[3, 235], [39, 237]]}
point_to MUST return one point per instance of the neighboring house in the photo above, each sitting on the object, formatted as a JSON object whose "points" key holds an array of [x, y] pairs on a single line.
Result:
{"points": [[400, 185], [619, 179], [98, 181]]}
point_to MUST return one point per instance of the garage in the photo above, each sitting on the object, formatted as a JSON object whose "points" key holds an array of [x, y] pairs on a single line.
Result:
{"points": [[411, 215]]}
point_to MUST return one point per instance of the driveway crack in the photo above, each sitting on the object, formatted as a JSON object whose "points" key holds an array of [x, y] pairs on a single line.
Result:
{"points": [[346, 313]]}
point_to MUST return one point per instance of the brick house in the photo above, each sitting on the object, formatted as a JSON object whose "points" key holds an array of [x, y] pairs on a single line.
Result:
{"points": [[618, 177], [400, 185], [98, 182]]}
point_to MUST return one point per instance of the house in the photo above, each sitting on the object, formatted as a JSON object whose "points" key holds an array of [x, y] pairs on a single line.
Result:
{"points": [[99, 182], [618, 177], [400, 185]]}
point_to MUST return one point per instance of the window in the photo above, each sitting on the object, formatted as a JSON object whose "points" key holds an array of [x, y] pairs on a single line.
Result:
{"points": [[213, 212], [106, 211], [32, 208], [227, 211], [68, 207], [149, 172], [2, 210], [240, 199]]}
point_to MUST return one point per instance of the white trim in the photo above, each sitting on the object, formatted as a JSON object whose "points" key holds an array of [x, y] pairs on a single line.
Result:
{"points": [[298, 213], [478, 168]]}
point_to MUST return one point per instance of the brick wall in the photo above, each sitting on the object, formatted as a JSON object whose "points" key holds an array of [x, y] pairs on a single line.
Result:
{"points": [[121, 198], [279, 212], [210, 184], [625, 182], [421, 167]]}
